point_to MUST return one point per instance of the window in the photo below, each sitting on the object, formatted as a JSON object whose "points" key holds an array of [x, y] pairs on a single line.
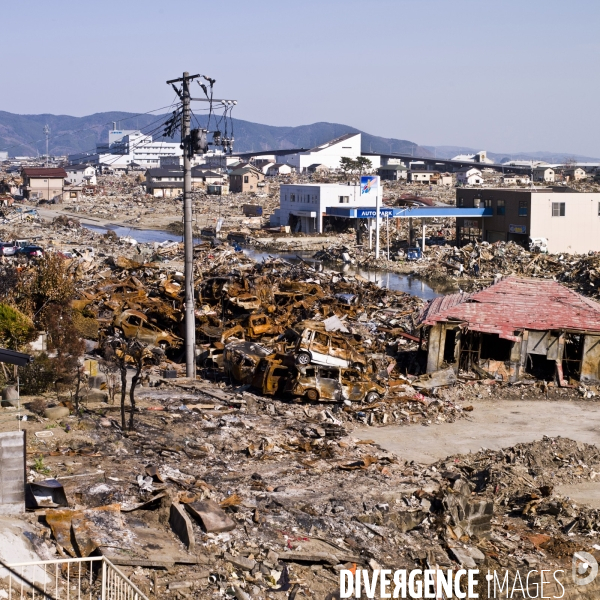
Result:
{"points": [[321, 338], [522, 208], [558, 209], [487, 204], [599, 209], [500, 208], [344, 199], [461, 202], [292, 197], [245, 178]]}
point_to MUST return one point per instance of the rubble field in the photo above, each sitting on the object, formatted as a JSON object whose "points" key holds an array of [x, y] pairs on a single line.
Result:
{"points": [[258, 479]]}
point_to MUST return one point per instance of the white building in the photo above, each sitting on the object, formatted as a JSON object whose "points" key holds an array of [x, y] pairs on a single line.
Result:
{"points": [[303, 207], [543, 173], [478, 157], [419, 176], [330, 154], [279, 169], [516, 179], [81, 175], [469, 176], [128, 148]]}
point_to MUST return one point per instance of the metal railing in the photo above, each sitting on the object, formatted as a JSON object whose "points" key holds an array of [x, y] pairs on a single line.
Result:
{"points": [[92, 578]]}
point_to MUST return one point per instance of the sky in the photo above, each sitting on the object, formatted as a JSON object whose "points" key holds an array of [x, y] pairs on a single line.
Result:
{"points": [[501, 76]]}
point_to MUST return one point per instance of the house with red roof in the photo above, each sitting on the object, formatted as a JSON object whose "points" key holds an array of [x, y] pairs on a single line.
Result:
{"points": [[515, 328]]}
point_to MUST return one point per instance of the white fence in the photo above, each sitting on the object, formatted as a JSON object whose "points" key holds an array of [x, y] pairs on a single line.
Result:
{"points": [[92, 578]]}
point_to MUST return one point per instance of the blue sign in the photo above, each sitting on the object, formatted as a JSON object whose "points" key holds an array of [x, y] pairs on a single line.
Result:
{"points": [[369, 184], [371, 213]]}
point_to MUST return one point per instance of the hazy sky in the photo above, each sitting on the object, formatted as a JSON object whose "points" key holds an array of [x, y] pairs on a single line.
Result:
{"points": [[506, 76]]}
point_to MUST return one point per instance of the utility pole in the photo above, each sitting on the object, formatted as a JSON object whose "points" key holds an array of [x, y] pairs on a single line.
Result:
{"points": [[191, 144], [47, 134], [188, 240]]}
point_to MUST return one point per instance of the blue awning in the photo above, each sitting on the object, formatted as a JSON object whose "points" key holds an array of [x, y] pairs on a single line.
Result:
{"points": [[368, 212]]}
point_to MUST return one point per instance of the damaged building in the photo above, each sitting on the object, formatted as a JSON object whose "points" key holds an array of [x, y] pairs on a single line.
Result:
{"points": [[515, 328]]}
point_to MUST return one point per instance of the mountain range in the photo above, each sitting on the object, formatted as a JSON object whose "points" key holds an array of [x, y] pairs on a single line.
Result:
{"points": [[22, 135]]}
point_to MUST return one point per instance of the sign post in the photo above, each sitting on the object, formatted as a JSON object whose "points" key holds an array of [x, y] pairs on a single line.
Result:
{"points": [[369, 186]]}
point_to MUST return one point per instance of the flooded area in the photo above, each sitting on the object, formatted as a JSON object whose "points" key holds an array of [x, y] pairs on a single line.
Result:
{"points": [[381, 277]]}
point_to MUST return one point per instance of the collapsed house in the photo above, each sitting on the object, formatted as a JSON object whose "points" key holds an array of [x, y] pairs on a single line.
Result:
{"points": [[516, 327]]}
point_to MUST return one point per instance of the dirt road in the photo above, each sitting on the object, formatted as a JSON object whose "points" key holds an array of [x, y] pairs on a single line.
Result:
{"points": [[493, 424]]}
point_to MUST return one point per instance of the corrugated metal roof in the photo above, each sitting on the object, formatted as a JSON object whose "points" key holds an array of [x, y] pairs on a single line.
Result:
{"points": [[51, 172], [515, 304]]}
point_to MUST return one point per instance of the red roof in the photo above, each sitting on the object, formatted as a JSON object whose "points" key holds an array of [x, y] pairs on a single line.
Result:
{"points": [[515, 304], [42, 172]]}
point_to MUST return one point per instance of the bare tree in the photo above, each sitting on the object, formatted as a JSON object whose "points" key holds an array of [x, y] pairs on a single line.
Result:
{"points": [[120, 354]]}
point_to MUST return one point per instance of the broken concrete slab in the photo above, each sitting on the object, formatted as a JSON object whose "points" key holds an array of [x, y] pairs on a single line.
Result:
{"points": [[212, 517], [182, 525], [241, 562]]}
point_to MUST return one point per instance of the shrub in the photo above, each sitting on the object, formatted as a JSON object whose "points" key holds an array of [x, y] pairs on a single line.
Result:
{"points": [[38, 376]]}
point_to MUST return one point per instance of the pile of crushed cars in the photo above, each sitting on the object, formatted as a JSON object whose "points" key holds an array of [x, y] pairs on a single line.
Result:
{"points": [[278, 328]]}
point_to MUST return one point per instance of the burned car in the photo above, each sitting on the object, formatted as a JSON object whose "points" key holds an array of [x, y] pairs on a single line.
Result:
{"points": [[328, 349], [241, 358], [259, 325], [272, 373], [276, 374], [135, 324], [315, 382]]}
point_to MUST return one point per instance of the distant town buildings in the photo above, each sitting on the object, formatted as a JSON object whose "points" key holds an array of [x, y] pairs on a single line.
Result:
{"points": [[478, 157], [128, 148]]}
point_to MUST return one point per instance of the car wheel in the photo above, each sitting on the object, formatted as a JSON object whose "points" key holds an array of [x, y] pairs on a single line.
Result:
{"points": [[372, 397], [303, 358], [163, 346], [312, 395]]}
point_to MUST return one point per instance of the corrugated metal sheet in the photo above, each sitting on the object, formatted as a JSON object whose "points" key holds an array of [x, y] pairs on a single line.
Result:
{"points": [[516, 304]]}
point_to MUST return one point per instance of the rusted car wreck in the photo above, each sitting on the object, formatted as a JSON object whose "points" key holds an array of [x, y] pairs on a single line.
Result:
{"points": [[516, 327]]}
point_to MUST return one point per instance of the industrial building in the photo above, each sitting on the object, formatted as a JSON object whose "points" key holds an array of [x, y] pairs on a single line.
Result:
{"points": [[568, 220]]}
